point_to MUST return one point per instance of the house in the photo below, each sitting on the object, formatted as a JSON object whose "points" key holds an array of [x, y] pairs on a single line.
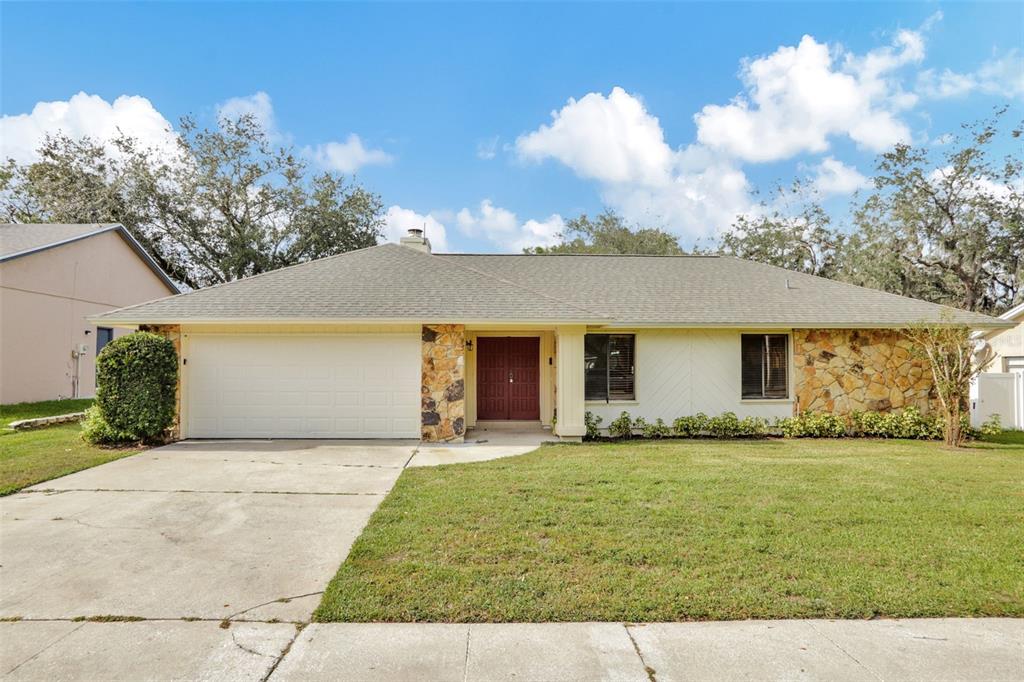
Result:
{"points": [[394, 341], [1000, 387], [52, 277]]}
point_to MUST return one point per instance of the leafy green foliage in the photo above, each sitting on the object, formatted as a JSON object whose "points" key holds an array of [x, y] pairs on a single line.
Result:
{"points": [[691, 426], [943, 224], [136, 377], [593, 424], [224, 204], [909, 423], [993, 426], [621, 426], [656, 429], [813, 425], [609, 234]]}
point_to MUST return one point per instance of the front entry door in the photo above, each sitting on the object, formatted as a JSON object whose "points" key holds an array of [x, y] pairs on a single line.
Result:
{"points": [[508, 377]]}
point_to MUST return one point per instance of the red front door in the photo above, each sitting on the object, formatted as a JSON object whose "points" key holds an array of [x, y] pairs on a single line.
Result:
{"points": [[508, 377]]}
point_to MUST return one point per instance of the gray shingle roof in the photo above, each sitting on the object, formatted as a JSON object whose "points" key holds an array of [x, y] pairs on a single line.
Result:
{"points": [[392, 282], [18, 239], [23, 239]]}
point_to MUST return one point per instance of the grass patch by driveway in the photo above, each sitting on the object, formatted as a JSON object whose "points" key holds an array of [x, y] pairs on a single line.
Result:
{"points": [[682, 530], [30, 457]]}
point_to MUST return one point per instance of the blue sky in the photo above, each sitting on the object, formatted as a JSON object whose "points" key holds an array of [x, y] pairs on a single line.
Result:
{"points": [[673, 114]]}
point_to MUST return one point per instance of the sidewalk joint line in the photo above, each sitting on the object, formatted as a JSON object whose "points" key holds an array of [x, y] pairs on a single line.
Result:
{"points": [[651, 672]]}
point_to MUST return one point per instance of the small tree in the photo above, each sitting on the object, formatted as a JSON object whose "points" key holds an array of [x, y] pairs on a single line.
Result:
{"points": [[947, 347]]}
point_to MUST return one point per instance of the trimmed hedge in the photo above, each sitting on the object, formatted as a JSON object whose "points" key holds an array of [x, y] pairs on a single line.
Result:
{"points": [[909, 423], [136, 379]]}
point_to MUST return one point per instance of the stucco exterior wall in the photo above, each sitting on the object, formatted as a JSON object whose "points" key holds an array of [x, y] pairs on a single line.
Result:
{"points": [[685, 371], [843, 371], [44, 300]]}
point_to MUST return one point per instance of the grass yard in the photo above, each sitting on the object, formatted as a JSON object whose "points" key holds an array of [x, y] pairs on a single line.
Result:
{"points": [[30, 457], [693, 530]]}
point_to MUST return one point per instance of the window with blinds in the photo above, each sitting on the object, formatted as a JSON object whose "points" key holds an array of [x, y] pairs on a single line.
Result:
{"points": [[765, 365], [609, 366]]}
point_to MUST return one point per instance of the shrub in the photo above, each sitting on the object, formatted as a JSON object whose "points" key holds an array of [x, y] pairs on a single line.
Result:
{"points": [[95, 429], [753, 427], [725, 425], [691, 427], [813, 425], [593, 424], [659, 429], [136, 377], [993, 426], [909, 423], [621, 426]]}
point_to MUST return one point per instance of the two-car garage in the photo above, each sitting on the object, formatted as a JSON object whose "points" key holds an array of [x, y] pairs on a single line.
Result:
{"points": [[258, 385]]}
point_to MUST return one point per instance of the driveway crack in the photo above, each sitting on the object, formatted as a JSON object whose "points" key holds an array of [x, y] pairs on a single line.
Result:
{"points": [[284, 652], [465, 664], [279, 600], [38, 653]]}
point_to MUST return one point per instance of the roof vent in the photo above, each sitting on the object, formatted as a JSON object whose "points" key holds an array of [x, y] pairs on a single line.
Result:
{"points": [[416, 240]]}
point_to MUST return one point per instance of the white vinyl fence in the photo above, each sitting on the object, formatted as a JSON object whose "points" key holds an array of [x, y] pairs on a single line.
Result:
{"points": [[999, 393]]}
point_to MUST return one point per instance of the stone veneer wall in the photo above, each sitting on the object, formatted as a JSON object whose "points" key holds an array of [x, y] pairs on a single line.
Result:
{"points": [[843, 371], [173, 332], [443, 393]]}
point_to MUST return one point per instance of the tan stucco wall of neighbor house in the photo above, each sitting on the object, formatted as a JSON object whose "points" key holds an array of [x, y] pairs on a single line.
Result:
{"points": [[843, 371], [45, 298], [443, 390]]}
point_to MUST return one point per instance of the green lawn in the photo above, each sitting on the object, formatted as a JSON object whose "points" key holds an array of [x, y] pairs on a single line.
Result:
{"points": [[29, 457], [684, 530]]}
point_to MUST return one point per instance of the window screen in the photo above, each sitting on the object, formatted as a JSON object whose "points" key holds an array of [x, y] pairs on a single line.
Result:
{"points": [[765, 365], [609, 366]]}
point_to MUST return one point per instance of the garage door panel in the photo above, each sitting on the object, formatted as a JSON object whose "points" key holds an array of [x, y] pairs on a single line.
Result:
{"points": [[303, 386]]}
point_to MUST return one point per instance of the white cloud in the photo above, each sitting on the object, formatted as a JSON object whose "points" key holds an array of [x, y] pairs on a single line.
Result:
{"points": [[832, 176], [1002, 76], [398, 221], [348, 156], [258, 105], [503, 228], [612, 139], [616, 141], [798, 97], [81, 116]]}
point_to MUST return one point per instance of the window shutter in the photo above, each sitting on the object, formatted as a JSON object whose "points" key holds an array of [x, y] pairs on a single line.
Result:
{"points": [[595, 366], [620, 367], [776, 370], [752, 367]]}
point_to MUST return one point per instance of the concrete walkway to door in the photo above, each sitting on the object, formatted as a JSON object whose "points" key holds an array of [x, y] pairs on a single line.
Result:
{"points": [[487, 440]]}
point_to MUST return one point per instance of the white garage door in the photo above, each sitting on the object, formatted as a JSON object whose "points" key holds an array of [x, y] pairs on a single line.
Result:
{"points": [[293, 386]]}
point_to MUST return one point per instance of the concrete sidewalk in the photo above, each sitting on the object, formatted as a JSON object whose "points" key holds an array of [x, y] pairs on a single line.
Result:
{"points": [[925, 649]]}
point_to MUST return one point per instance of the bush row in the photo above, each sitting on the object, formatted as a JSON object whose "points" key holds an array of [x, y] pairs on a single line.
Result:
{"points": [[909, 423]]}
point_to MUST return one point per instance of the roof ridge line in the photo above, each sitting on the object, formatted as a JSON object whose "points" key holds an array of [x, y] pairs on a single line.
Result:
{"points": [[532, 291]]}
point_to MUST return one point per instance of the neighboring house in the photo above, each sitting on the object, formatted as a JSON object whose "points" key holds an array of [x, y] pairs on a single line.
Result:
{"points": [[1000, 388], [52, 277], [393, 341]]}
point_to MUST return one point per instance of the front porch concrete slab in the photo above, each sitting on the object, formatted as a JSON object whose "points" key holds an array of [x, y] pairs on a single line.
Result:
{"points": [[376, 651], [485, 441], [152, 650]]}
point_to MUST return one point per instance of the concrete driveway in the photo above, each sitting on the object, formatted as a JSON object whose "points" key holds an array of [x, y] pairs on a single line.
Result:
{"points": [[196, 530]]}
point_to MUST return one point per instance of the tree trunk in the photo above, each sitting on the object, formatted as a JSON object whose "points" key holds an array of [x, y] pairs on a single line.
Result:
{"points": [[954, 436]]}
